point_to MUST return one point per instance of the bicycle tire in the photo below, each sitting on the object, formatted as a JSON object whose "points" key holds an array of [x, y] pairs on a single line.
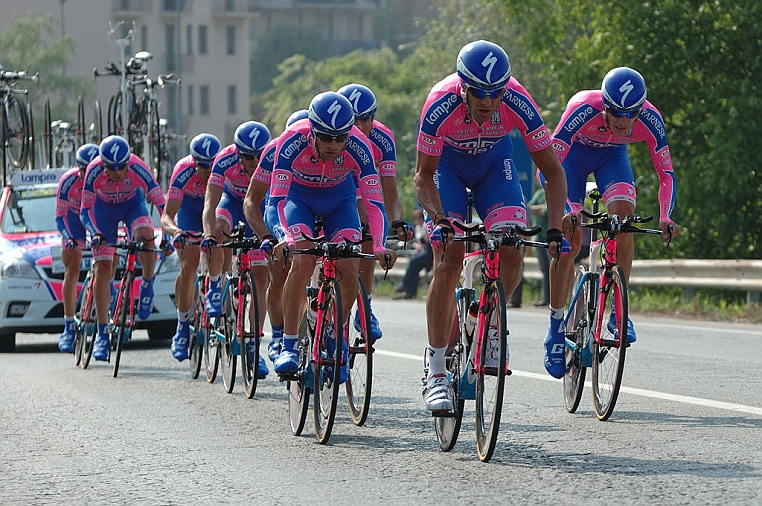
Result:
{"points": [[447, 428], [97, 126], [609, 351], [298, 390], [153, 157], [578, 331], [3, 151], [115, 116], [32, 158], [360, 381], [251, 334], [88, 327], [79, 133], [227, 327], [327, 370], [490, 378], [196, 344], [121, 319], [47, 136], [16, 133]]}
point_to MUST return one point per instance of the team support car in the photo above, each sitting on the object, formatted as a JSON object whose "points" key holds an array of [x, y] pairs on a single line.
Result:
{"points": [[31, 269]]}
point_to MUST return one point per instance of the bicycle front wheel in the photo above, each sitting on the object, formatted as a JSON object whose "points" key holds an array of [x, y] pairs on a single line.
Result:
{"points": [[196, 344], [491, 371], [327, 370], [47, 134], [610, 348], [96, 129], [16, 135], [578, 328], [250, 339], [87, 328], [32, 158], [227, 328], [121, 320], [360, 381], [300, 388], [79, 133]]}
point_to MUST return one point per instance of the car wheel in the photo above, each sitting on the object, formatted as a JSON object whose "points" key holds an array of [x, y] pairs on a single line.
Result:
{"points": [[8, 343], [160, 331]]}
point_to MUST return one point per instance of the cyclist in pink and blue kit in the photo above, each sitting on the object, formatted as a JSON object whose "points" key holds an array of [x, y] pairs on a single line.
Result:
{"points": [[592, 138], [315, 164], [68, 201], [183, 216], [223, 210], [116, 186], [464, 143]]}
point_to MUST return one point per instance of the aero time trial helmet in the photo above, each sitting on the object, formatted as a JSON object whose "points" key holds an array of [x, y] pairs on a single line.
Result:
{"points": [[296, 116], [623, 89], [86, 154], [204, 147], [251, 137], [331, 113], [483, 65], [114, 151], [362, 99]]}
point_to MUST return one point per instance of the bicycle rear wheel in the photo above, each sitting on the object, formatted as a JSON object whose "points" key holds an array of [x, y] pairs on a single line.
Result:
{"points": [[299, 390], [211, 349], [153, 157], [79, 133], [227, 328], [87, 328], [96, 130], [249, 341], [327, 371], [32, 158], [491, 371], [16, 134], [196, 344], [609, 351], [47, 134], [578, 329], [360, 381], [121, 320]]}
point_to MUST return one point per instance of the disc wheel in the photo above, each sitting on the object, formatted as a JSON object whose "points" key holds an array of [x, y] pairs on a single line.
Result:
{"points": [[327, 370], [578, 330], [87, 328], [196, 343], [227, 328], [609, 351], [121, 320], [360, 381], [250, 340], [299, 389]]}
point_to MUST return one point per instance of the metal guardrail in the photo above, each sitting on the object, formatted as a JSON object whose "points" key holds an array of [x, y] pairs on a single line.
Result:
{"points": [[743, 275]]}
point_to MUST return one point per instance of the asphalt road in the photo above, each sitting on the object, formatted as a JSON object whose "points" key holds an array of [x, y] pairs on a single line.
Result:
{"points": [[686, 429]]}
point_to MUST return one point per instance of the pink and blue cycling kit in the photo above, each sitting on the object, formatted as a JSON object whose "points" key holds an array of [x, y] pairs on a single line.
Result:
{"points": [[480, 157], [584, 144], [384, 149], [187, 187], [68, 203], [105, 202], [305, 186]]}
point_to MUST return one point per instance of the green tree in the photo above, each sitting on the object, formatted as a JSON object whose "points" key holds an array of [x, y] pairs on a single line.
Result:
{"points": [[30, 44]]}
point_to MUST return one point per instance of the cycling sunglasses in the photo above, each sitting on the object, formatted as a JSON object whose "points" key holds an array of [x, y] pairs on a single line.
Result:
{"points": [[322, 137], [203, 165], [623, 114], [249, 157], [116, 167], [482, 94]]}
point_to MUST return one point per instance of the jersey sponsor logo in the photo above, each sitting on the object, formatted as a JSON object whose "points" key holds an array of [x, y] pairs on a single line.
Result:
{"points": [[428, 140], [280, 176], [371, 181], [665, 153], [578, 118], [360, 150], [557, 146], [521, 104], [226, 162], [489, 62], [655, 121], [334, 110], [382, 141], [474, 146], [293, 147], [625, 90], [428, 150], [507, 170], [183, 177], [539, 135], [443, 109]]}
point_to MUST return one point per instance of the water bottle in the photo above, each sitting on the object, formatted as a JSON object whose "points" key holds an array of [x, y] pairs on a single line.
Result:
{"points": [[472, 316]]}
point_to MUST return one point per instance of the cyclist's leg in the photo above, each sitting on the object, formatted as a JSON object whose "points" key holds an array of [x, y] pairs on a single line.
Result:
{"points": [[278, 272], [106, 218], [71, 260], [367, 267], [140, 224], [189, 220]]}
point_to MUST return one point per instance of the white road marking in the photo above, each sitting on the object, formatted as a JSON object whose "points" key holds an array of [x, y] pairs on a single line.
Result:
{"points": [[752, 410]]}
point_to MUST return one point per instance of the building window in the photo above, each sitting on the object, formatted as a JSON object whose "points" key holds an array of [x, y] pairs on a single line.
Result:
{"points": [[203, 47], [203, 100], [144, 37], [230, 36], [232, 103], [191, 108], [189, 42]]}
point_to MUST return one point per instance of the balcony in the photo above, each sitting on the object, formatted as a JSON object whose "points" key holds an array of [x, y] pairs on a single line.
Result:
{"points": [[131, 8], [233, 8]]}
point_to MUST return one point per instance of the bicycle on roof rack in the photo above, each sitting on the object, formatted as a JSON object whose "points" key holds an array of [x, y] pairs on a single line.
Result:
{"points": [[61, 139], [16, 135]]}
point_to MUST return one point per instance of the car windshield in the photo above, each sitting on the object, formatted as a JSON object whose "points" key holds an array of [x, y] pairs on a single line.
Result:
{"points": [[32, 210]]}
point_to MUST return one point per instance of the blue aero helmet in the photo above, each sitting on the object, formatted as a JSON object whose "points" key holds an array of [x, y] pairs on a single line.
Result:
{"points": [[623, 89], [331, 113], [483, 65], [114, 151], [204, 147], [86, 154], [296, 116], [362, 99], [251, 137]]}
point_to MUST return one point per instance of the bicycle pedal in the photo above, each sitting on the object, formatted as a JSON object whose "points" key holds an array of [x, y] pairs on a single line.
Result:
{"points": [[443, 414]]}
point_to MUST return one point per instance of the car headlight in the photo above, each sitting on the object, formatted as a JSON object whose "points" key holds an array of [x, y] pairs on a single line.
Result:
{"points": [[17, 268], [169, 264]]}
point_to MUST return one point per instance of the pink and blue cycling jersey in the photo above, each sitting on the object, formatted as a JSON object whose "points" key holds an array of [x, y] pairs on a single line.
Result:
{"points": [[68, 203], [228, 174], [447, 126], [297, 163], [384, 149], [98, 185], [185, 182], [583, 123]]}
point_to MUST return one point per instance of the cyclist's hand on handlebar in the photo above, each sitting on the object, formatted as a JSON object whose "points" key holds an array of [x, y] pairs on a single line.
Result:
{"points": [[442, 235], [207, 243], [403, 229], [97, 241], [280, 251], [558, 246], [71, 244], [178, 241], [386, 258], [669, 229]]}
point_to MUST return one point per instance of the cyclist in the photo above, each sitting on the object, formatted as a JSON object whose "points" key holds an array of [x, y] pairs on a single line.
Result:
{"points": [[182, 215], [592, 138], [68, 201], [313, 172], [115, 189], [464, 142], [254, 204], [385, 157], [223, 209]]}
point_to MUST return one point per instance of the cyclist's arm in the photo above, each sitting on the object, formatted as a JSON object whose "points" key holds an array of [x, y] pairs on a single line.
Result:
{"points": [[555, 184], [252, 209], [168, 223], [209, 217], [425, 189]]}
